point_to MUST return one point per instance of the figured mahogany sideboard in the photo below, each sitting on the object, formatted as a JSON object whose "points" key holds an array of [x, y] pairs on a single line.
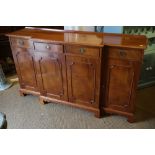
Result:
{"points": [[98, 72]]}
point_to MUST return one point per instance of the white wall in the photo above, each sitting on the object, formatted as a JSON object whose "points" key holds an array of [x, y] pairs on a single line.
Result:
{"points": [[81, 28]]}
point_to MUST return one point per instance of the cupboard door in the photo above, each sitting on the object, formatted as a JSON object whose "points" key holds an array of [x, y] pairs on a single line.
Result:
{"points": [[119, 86], [83, 80], [51, 75], [25, 66], [147, 77]]}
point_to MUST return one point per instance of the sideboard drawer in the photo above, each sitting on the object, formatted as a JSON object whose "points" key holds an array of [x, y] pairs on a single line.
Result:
{"points": [[82, 50], [121, 53], [20, 42], [48, 47]]}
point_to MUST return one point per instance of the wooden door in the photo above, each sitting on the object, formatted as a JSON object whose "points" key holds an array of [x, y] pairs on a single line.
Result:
{"points": [[119, 85], [25, 66], [51, 75], [83, 80]]}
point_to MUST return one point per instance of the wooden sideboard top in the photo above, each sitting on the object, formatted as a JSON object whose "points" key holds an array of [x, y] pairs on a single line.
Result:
{"points": [[82, 37]]}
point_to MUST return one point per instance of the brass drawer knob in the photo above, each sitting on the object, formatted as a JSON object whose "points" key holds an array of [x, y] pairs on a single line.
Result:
{"points": [[122, 53], [82, 50], [21, 42], [47, 47]]}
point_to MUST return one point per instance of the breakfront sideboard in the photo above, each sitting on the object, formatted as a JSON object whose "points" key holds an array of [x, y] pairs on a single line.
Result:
{"points": [[98, 72]]}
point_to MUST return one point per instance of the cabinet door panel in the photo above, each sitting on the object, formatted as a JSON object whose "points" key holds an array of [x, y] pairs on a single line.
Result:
{"points": [[150, 66], [52, 75], [82, 80], [147, 77], [25, 66], [119, 85]]}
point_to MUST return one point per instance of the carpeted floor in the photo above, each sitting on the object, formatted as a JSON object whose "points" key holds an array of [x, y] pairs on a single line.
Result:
{"points": [[26, 112]]}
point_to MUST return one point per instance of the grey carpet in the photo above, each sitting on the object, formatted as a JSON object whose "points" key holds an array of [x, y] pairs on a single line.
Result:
{"points": [[28, 113]]}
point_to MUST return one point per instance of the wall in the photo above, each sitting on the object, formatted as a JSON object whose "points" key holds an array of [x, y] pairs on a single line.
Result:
{"points": [[81, 28]]}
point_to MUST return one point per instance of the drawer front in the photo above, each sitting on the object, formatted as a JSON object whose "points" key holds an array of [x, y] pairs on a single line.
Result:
{"points": [[19, 42], [121, 53], [82, 50], [48, 47]]}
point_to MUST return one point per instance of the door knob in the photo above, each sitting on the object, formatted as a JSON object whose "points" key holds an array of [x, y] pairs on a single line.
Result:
{"points": [[147, 68], [150, 68], [112, 66], [92, 101]]}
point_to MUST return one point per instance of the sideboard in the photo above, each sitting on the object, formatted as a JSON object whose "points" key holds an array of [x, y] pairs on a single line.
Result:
{"points": [[98, 72]]}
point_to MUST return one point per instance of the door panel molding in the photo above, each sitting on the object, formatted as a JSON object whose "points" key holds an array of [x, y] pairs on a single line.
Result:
{"points": [[58, 72], [32, 82], [90, 69], [130, 78]]}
